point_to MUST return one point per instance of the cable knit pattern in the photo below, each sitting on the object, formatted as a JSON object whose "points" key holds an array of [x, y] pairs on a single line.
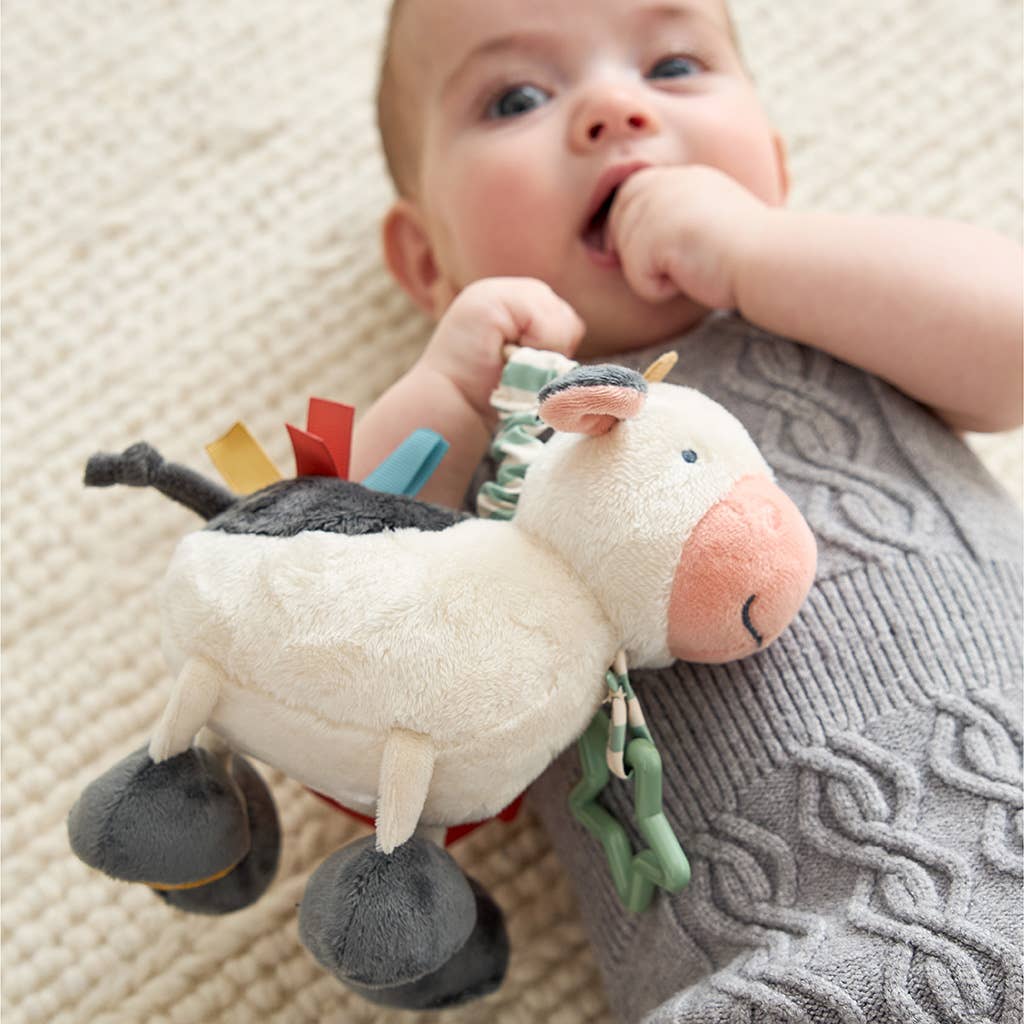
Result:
{"points": [[851, 796], [192, 193]]}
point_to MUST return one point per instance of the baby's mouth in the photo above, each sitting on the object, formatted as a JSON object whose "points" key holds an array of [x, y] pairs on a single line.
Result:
{"points": [[595, 231]]}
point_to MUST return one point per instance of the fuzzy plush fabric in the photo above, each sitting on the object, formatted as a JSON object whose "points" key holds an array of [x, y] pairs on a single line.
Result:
{"points": [[378, 939], [623, 506], [319, 644], [484, 645], [191, 200], [385, 947], [141, 465], [333, 506], [172, 823]]}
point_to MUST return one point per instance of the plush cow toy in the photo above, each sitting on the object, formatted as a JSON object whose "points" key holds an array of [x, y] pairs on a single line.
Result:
{"points": [[424, 666]]}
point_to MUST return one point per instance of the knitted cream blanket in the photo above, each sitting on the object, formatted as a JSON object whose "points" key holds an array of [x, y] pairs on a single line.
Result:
{"points": [[191, 199]]}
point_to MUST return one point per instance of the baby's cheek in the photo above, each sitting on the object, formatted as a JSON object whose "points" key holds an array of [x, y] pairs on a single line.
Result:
{"points": [[741, 145], [505, 222]]}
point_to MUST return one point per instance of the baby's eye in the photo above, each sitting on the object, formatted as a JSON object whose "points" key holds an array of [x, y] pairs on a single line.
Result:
{"points": [[517, 100], [675, 67], [689, 455]]}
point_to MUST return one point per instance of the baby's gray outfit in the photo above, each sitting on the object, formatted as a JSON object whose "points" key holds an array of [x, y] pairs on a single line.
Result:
{"points": [[850, 799]]}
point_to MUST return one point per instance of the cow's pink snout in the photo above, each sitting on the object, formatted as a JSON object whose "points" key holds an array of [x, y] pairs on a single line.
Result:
{"points": [[742, 576]]}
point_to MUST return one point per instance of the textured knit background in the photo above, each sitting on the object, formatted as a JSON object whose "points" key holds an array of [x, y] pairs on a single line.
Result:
{"points": [[191, 194]]}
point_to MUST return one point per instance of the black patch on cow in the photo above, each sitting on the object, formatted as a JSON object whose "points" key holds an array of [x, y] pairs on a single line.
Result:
{"points": [[330, 505]]}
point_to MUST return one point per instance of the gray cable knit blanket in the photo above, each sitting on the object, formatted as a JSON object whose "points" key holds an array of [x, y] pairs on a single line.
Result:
{"points": [[850, 798]]}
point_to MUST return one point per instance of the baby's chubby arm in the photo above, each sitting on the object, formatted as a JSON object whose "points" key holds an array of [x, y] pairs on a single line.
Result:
{"points": [[934, 307], [449, 387]]}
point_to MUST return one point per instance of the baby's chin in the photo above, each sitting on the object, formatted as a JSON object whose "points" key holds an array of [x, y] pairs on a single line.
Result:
{"points": [[634, 323]]}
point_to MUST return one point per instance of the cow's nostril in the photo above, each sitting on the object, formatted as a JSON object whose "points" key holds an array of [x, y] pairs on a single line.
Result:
{"points": [[758, 639]]}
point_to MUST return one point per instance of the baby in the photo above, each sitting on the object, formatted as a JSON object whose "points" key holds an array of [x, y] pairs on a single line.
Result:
{"points": [[599, 178]]}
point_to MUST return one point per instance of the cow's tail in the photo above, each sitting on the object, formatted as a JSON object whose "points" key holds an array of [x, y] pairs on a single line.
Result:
{"points": [[142, 465]]}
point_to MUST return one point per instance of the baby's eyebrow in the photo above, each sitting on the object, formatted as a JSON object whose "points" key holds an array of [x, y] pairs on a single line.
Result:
{"points": [[547, 43], [512, 42], [680, 12]]}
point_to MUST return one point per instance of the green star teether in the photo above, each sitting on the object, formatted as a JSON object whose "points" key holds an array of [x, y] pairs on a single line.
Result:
{"points": [[663, 863]]}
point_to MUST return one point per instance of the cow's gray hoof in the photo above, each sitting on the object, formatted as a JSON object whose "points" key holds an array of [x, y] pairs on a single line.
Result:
{"points": [[249, 880], [174, 823], [475, 970], [405, 929]]}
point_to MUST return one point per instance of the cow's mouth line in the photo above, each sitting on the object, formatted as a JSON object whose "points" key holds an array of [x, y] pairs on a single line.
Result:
{"points": [[758, 639]]}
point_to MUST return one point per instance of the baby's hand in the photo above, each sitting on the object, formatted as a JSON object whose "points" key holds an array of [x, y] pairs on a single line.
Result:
{"points": [[486, 315], [684, 230]]}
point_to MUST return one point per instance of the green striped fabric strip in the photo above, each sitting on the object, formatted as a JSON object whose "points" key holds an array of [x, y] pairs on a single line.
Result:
{"points": [[527, 375], [516, 442]]}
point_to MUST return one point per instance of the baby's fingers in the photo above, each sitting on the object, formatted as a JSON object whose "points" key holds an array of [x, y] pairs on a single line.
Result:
{"points": [[542, 318], [648, 282], [488, 314], [637, 241]]}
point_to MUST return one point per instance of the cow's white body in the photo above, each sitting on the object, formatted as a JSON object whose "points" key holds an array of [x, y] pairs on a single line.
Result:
{"points": [[476, 636], [431, 676]]}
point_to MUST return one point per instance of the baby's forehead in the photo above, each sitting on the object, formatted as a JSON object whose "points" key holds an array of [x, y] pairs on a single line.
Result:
{"points": [[431, 33], [428, 33]]}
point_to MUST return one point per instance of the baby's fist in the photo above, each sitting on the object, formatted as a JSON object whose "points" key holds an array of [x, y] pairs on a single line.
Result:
{"points": [[488, 314], [683, 229]]}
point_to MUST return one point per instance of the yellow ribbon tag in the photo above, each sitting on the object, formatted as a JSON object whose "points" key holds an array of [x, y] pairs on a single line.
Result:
{"points": [[241, 461]]}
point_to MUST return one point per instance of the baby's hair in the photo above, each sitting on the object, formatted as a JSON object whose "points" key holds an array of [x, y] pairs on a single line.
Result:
{"points": [[395, 125]]}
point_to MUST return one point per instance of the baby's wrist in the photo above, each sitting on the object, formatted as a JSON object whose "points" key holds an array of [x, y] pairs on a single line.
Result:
{"points": [[430, 375], [752, 254]]}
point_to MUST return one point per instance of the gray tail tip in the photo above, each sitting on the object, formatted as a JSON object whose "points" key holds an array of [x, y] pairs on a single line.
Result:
{"points": [[135, 466]]}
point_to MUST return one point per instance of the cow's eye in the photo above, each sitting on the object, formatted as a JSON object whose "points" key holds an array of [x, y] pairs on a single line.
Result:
{"points": [[689, 455]]}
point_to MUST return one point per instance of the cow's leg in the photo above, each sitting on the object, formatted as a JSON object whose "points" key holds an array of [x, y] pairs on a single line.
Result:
{"points": [[406, 768], [193, 697], [420, 935]]}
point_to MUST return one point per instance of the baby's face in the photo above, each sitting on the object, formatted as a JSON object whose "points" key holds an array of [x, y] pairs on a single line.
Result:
{"points": [[529, 107]]}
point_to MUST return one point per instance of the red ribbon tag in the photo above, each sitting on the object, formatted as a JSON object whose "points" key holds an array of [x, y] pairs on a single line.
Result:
{"points": [[324, 448]]}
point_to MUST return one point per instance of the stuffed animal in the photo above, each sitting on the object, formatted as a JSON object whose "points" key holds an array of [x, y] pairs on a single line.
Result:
{"points": [[424, 666]]}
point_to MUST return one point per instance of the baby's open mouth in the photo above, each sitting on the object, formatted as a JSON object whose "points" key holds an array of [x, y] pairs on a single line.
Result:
{"points": [[595, 231]]}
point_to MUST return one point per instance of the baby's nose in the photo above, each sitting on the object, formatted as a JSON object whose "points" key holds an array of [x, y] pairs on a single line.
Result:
{"points": [[611, 115]]}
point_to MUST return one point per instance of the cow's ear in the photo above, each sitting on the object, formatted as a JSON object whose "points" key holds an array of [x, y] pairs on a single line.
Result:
{"points": [[592, 399]]}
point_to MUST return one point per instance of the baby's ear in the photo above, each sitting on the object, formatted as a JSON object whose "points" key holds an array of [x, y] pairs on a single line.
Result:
{"points": [[409, 255], [592, 399]]}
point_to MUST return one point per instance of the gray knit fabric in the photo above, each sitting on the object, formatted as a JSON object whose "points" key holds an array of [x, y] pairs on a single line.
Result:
{"points": [[850, 799]]}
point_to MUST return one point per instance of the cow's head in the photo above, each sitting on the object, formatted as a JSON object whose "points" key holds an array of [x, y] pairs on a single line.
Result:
{"points": [[659, 499]]}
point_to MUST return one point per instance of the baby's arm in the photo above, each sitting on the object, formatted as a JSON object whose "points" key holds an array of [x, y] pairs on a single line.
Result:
{"points": [[449, 388], [934, 307]]}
